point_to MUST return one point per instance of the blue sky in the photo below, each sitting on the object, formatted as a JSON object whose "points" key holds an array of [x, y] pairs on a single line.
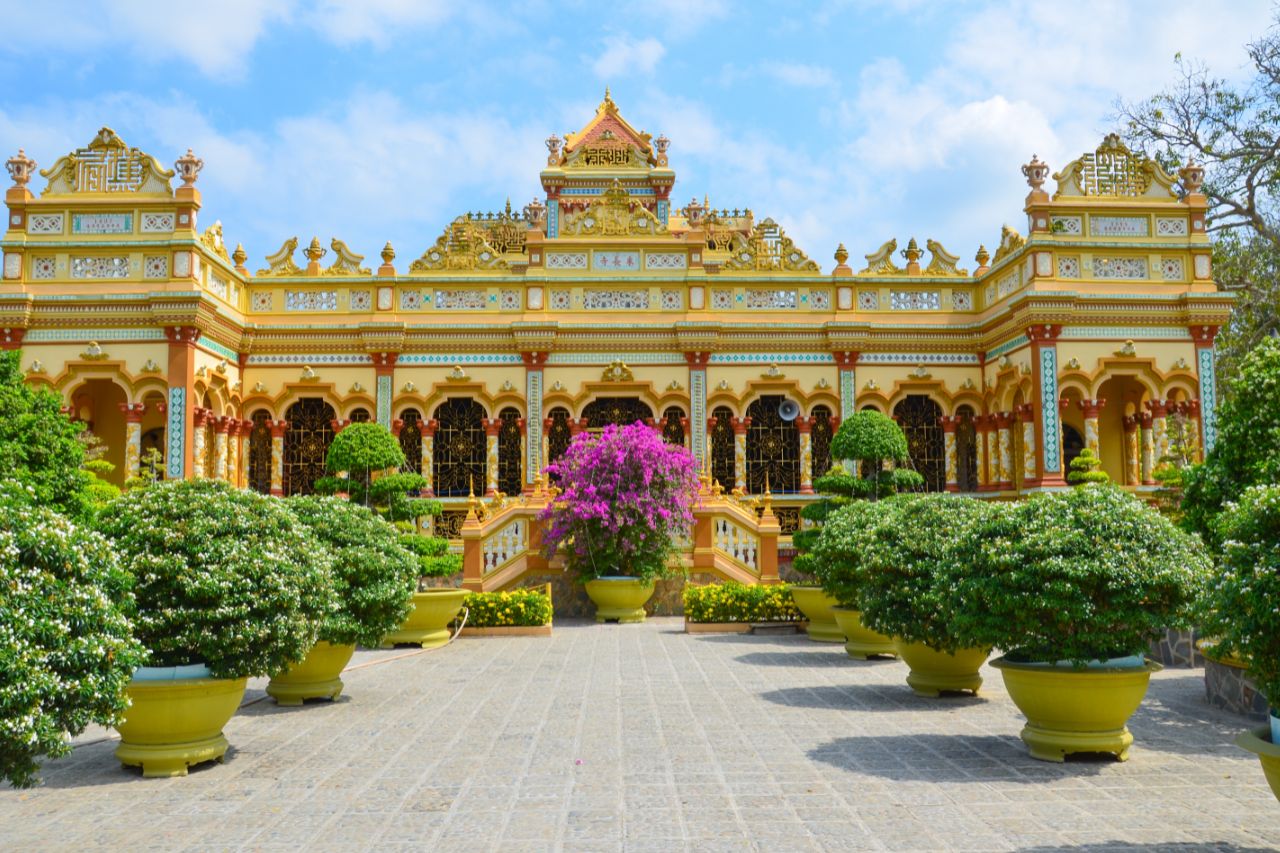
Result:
{"points": [[376, 120]]}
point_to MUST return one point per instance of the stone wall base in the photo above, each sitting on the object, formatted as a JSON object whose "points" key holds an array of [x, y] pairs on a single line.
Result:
{"points": [[1229, 688], [1177, 649]]}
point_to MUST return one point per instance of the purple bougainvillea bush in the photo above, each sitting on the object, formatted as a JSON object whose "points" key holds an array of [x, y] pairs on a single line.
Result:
{"points": [[627, 503]]}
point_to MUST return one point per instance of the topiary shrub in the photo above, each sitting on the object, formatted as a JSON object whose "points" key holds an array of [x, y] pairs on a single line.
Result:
{"points": [[221, 576], [908, 553], [736, 602], [1084, 469], [434, 560], [1087, 574], [66, 648], [362, 461], [374, 576], [1242, 601]]}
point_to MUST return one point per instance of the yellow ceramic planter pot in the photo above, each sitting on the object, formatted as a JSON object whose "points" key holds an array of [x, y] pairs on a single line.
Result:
{"points": [[1258, 741], [619, 599], [1076, 710], [314, 677], [174, 724], [428, 622], [862, 642], [934, 673], [816, 604]]}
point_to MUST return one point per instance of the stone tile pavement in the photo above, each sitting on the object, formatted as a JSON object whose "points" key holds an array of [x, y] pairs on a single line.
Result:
{"points": [[643, 738]]}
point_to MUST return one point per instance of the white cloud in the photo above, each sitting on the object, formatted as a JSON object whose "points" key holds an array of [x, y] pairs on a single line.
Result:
{"points": [[624, 55], [799, 74], [376, 21], [683, 17]]}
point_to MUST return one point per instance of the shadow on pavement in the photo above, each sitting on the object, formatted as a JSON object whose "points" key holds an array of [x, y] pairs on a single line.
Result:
{"points": [[806, 658], [868, 697], [950, 758]]}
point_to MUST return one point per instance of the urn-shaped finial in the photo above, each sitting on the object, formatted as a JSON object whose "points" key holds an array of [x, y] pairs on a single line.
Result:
{"points": [[315, 251], [842, 254], [1192, 176], [188, 166], [388, 253], [1035, 172], [553, 150], [239, 256], [20, 168], [983, 256]]}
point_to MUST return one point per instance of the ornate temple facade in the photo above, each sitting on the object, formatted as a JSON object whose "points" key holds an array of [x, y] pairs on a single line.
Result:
{"points": [[603, 302]]}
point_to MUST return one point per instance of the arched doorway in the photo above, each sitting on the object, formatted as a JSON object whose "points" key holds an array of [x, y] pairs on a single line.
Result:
{"points": [[510, 441], [260, 452], [918, 416], [773, 448], [360, 416], [558, 434], [96, 403], [459, 457], [722, 452], [1072, 444], [1124, 395], [306, 443], [617, 411]]}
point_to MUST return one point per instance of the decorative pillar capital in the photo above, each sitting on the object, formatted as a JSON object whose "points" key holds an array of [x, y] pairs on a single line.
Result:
{"points": [[1131, 423], [949, 422], [132, 412], [1203, 335], [186, 335], [492, 426], [740, 425], [396, 426], [429, 428], [846, 358], [339, 424], [278, 428], [222, 424], [1144, 419], [804, 425], [577, 425], [1044, 332], [201, 416], [1091, 408], [384, 363], [533, 360], [1025, 413], [697, 360], [1158, 408], [11, 338]]}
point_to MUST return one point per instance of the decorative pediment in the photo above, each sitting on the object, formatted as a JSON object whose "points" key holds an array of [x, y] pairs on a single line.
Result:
{"points": [[107, 165], [1010, 242], [768, 248], [607, 141], [1114, 171], [463, 246], [345, 261], [613, 214], [281, 263]]}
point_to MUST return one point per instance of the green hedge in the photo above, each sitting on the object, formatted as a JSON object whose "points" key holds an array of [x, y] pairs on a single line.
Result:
{"points": [[735, 602], [514, 607]]}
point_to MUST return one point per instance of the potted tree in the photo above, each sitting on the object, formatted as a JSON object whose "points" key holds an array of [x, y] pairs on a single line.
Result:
{"points": [[438, 599], [1242, 609], [1072, 586], [865, 441], [227, 584], [627, 497], [374, 577], [900, 557], [68, 650]]}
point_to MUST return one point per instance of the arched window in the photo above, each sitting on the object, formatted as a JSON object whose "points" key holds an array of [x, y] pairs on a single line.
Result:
{"points": [[619, 411], [722, 453], [260, 453], [673, 426], [360, 416], [918, 416], [820, 434], [459, 448], [773, 448], [411, 440], [306, 442], [558, 434], [966, 450], [510, 440]]}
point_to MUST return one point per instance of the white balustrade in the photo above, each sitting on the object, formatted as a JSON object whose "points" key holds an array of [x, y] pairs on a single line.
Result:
{"points": [[506, 544], [736, 542]]}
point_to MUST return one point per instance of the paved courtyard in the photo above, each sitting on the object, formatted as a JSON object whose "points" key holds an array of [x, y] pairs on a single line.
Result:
{"points": [[645, 738]]}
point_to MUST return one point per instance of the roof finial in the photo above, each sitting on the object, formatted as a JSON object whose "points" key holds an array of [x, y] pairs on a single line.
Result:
{"points": [[606, 93]]}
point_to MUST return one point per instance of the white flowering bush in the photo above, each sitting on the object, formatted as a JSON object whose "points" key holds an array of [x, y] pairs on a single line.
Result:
{"points": [[1088, 574], [66, 648], [374, 576], [1244, 601], [224, 577]]}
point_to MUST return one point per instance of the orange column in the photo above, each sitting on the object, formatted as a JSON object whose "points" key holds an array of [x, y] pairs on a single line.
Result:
{"points": [[179, 431], [278, 429]]}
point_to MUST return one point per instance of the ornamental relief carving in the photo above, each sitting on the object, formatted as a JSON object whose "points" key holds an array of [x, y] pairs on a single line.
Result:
{"points": [[613, 214], [107, 165]]}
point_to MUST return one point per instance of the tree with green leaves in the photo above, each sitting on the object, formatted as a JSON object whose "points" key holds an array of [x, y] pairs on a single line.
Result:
{"points": [[364, 462], [40, 446], [1234, 132], [1086, 468]]}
